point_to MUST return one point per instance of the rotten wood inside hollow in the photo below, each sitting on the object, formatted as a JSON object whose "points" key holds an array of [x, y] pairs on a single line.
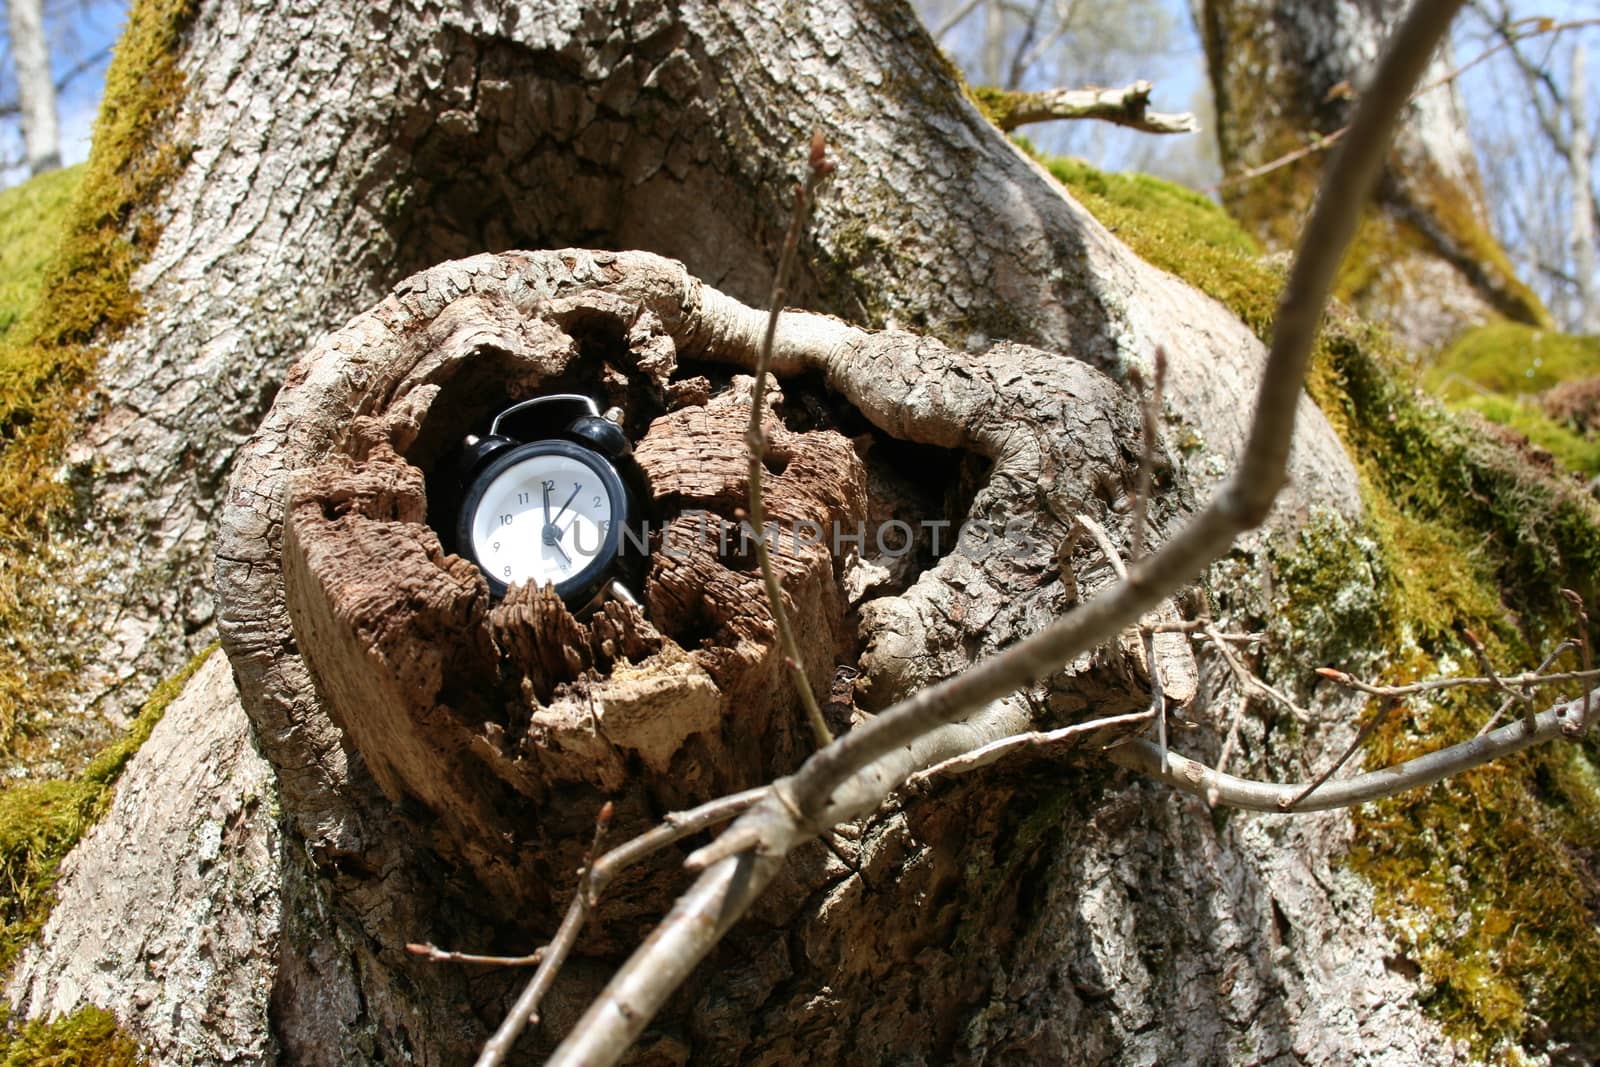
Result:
{"points": [[497, 729]]}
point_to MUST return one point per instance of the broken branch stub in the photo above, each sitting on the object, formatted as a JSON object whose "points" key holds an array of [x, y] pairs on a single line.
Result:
{"points": [[402, 707]]}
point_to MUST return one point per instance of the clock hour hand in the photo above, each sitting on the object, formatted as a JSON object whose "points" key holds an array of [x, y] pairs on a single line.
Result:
{"points": [[547, 519]]}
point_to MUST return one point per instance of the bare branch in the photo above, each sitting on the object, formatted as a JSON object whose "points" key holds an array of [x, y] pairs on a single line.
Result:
{"points": [[1527, 680], [1560, 650], [439, 955], [1197, 628], [954, 18], [818, 168], [1193, 777], [1249, 682], [673, 828], [987, 754], [1512, 695], [855, 772], [1362, 734], [1128, 106]]}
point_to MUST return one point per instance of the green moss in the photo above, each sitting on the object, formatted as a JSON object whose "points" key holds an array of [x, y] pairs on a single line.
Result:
{"points": [[32, 218], [1572, 450], [88, 1038], [48, 356], [40, 822], [1335, 593], [1492, 369], [1195, 219], [1510, 358], [1484, 877]]}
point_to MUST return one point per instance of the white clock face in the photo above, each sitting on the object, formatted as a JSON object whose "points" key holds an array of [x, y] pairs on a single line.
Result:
{"points": [[544, 519]]}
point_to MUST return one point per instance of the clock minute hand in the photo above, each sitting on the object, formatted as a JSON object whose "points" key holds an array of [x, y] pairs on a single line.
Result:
{"points": [[568, 504]]}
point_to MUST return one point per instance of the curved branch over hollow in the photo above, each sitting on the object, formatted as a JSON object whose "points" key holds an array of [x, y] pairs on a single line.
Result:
{"points": [[854, 772]]}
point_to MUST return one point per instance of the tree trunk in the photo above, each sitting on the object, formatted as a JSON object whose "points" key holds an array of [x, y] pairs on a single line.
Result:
{"points": [[438, 768], [1582, 198], [1284, 73], [36, 85]]}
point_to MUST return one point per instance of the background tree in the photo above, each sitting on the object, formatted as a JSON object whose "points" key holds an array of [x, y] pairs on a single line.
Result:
{"points": [[1539, 166], [1284, 75], [36, 89], [52, 54], [1006, 914]]}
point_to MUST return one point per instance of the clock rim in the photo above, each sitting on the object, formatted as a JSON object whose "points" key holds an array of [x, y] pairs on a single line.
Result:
{"points": [[580, 588]]}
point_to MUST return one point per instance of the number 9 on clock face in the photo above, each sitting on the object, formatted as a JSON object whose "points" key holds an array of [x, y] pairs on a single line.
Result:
{"points": [[545, 512]]}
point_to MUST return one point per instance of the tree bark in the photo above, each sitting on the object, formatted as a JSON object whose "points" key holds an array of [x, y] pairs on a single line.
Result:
{"points": [[933, 223], [36, 85], [1285, 73], [1000, 915], [171, 907]]}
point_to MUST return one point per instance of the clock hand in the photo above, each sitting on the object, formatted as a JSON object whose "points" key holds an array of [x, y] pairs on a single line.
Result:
{"points": [[557, 546], [547, 503], [570, 499]]}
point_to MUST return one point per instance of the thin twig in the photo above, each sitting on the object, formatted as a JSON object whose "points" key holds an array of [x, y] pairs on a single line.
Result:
{"points": [[1102, 541], [1158, 697], [1196, 628], [818, 169], [591, 884], [1366, 731], [1150, 411], [987, 754], [1528, 680], [1512, 695], [955, 17], [1249, 681], [439, 955], [1195, 777], [1229, 741], [1585, 656], [1560, 650]]}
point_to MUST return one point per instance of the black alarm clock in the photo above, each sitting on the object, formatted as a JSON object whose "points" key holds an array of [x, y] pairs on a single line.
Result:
{"points": [[543, 500]]}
